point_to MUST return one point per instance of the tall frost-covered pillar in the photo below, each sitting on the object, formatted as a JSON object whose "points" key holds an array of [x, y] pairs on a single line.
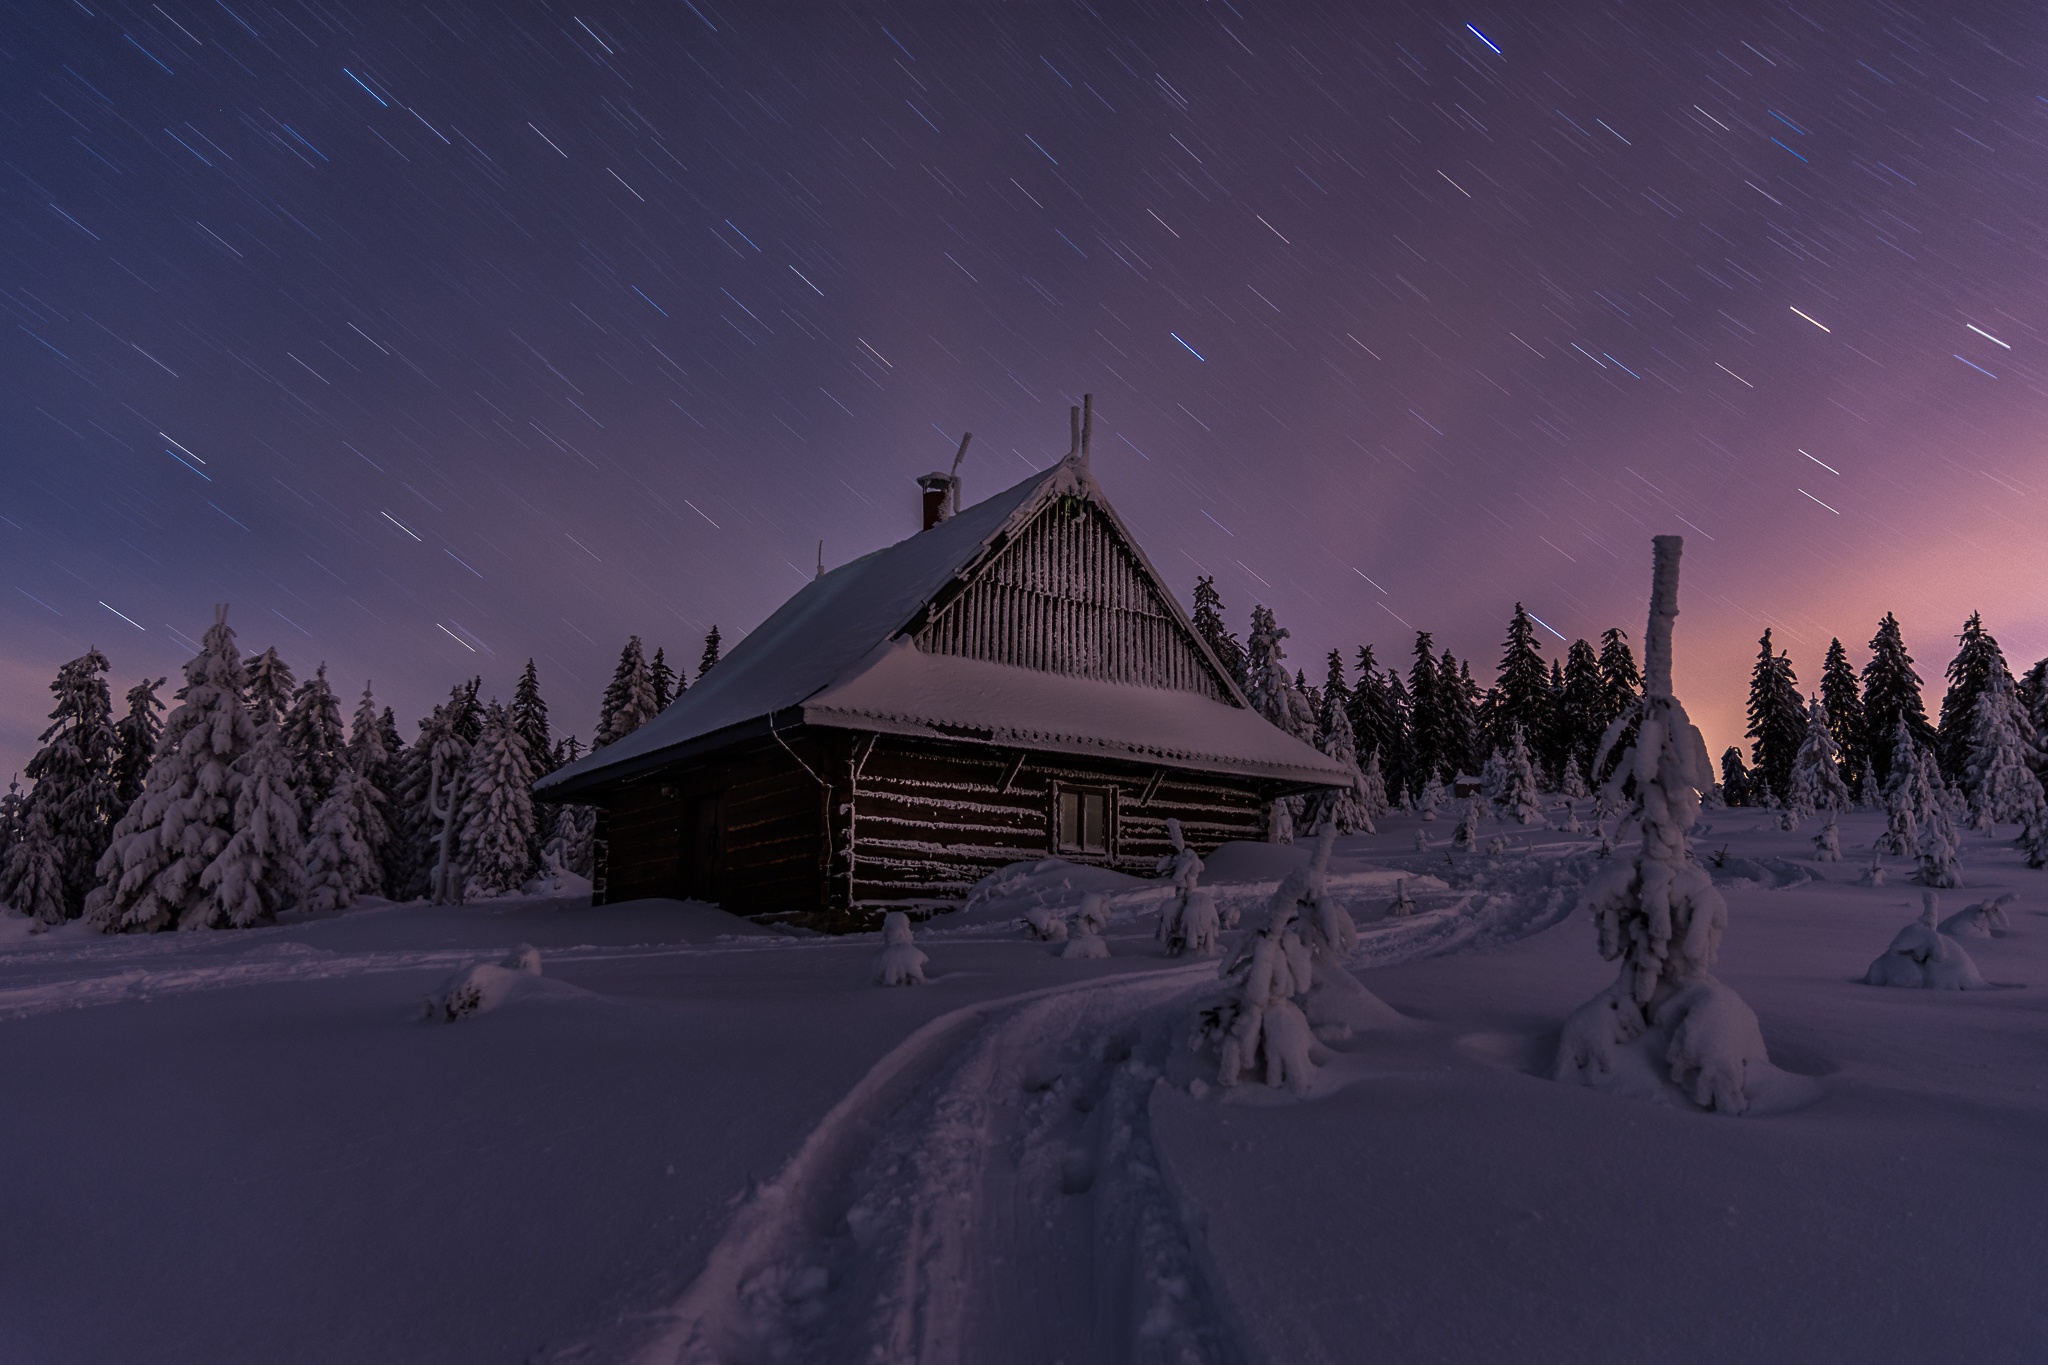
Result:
{"points": [[1659, 914]]}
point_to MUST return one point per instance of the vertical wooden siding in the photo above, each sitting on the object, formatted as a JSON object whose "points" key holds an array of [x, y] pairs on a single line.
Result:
{"points": [[1066, 596]]}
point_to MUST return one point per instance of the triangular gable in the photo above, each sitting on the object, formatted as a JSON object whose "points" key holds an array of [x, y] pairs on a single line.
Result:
{"points": [[1069, 594]]}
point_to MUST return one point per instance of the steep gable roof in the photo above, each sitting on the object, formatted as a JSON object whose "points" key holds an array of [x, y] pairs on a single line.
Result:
{"points": [[842, 653]]}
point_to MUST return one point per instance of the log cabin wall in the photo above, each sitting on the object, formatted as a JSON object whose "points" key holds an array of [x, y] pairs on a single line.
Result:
{"points": [[929, 818], [1067, 596]]}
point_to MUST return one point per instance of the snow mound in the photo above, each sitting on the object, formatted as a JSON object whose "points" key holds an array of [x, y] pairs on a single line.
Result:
{"points": [[1772, 874], [1700, 1047], [1922, 957], [1986, 919], [487, 986], [559, 882], [900, 963], [1010, 894]]}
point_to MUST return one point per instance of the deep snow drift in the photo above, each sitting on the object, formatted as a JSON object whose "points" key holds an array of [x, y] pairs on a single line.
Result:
{"points": [[689, 1138]]}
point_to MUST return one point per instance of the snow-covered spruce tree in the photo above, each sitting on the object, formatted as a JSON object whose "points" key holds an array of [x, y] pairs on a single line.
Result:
{"points": [[135, 737], [1921, 823], [1274, 695], [1183, 867], [74, 787], [257, 872], [1659, 913], [1517, 799], [1461, 698], [1574, 786], [1977, 662], [1891, 693], [1827, 845], [371, 757], [1432, 797], [629, 701], [1621, 685], [313, 742], [1426, 757], [339, 861], [1735, 789], [529, 716], [1580, 710], [151, 874], [1521, 692], [1372, 793], [708, 660], [497, 810], [1208, 623], [1467, 835], [663, 678], [270, 687], [570, 842], [1379, 723], [13, 817], [1493, 775], [1348, 807], [33, 880], [2000, 786], [1817, 783], [1844, 702], [1903, 799]]}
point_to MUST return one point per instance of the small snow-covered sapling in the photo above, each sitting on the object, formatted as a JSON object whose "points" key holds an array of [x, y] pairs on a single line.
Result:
{"points": [[1184, 868], [1087, 940], [1827, 845], [900, 962], [1045, 924]]}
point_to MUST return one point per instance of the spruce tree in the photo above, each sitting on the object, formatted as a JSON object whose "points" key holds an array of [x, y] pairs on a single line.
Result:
{"points": [[1521, 693], [1621, 685], [662, 676], [1335, 694], [1582, 707], [1891, 695], [1517, 796], [372, 758], [270, 687], [151, 877], [497, 810], [1843, 700], [1777, 719], [257, 872], [1977, 662], [529, 717], [33, 879], [1460, 696], [339, 863], [135, 735], [1348, 808], [629, 701], [1375, 722], [2000, 785], [1426, 723], [1273, 694], [1735, 778], [1399, 744], [1816, 784], [709, 659], [13, 816], [313, 742], [74, 792], [1208, 623]]}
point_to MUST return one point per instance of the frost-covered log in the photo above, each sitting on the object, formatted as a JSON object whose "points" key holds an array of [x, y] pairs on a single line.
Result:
{"points": [[1922, 957], [483, 987], [1658, 913], [900, 962]]}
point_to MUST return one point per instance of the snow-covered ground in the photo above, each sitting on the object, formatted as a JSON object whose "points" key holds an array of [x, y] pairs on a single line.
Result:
{"points": [[694, 1139]]}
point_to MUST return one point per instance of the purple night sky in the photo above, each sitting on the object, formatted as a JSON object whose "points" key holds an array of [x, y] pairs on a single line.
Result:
{"points": [[436, 336]]}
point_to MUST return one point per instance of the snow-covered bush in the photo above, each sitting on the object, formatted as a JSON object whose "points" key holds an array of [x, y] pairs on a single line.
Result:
{"points": [[900, 962], [1201, 923], [1827, 845], [1184, 867], [1986, 919], [1046, 924], [483, 987], [1658, 913], [1467, 836], [1093, 918], [1432, 797], [1923, 957], [1574, 784]]}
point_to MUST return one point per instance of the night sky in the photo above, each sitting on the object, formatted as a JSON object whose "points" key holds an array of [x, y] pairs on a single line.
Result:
{"points": [[434, 336]]}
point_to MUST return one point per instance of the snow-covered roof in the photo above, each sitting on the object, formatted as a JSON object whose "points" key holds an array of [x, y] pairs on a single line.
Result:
{"points": [[837, 654]]}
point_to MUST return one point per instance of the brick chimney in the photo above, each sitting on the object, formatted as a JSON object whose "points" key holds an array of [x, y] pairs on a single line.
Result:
{"points": [[942, 491]]}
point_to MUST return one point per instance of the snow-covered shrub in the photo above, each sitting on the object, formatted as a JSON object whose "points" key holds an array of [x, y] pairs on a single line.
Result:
{"points": [[1923, 957], [1574, 784], [1201, 923], [1986, 919], [1517, 796], [1045, 924], [1422, 841], [2033, 841], [1567, 818], [483, 987], [1658, 913], [1432, 797], [900, 962], [1874, 876], [1827, 845], [1184, 867]]}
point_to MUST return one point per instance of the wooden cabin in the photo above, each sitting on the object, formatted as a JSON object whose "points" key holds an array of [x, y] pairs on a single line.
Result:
{"points": [[1013, 682]]}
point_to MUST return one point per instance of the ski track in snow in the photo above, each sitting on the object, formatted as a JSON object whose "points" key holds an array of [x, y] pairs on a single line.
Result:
{"points": [[989, 1191]]}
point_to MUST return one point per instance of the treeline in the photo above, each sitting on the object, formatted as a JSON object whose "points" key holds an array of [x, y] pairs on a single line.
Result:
{"points": [[251, 797], [1864, 739]]}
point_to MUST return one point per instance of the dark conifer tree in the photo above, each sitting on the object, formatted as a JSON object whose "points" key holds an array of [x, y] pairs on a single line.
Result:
{"points": [[1978, 659], [465, 712], [1463, 748], [1843, 701], [710, 657], [1735, 781], [1891, 693], [12, 820], [314, 742], [1426, 722], [1398, 756], [135, 736], [1208, 623], [1521, 693], [663, 678], [71, 807], [1621, 682], [1376, 720], [529, 718], [1777, 719], [270, 688], [1335, 694], [1581, 711]]}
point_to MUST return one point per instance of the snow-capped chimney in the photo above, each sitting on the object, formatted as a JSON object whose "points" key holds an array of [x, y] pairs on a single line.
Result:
{"points": [[942, 491]]}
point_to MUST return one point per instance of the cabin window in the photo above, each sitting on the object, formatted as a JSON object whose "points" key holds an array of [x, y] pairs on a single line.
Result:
{"points": [[1083, 814]]}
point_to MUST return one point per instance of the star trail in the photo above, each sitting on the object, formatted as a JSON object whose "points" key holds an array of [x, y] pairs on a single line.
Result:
{"points": [[436, 337]]}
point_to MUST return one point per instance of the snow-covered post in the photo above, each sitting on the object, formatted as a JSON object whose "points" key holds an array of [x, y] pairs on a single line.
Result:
{"points": [[1659, 913]]}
